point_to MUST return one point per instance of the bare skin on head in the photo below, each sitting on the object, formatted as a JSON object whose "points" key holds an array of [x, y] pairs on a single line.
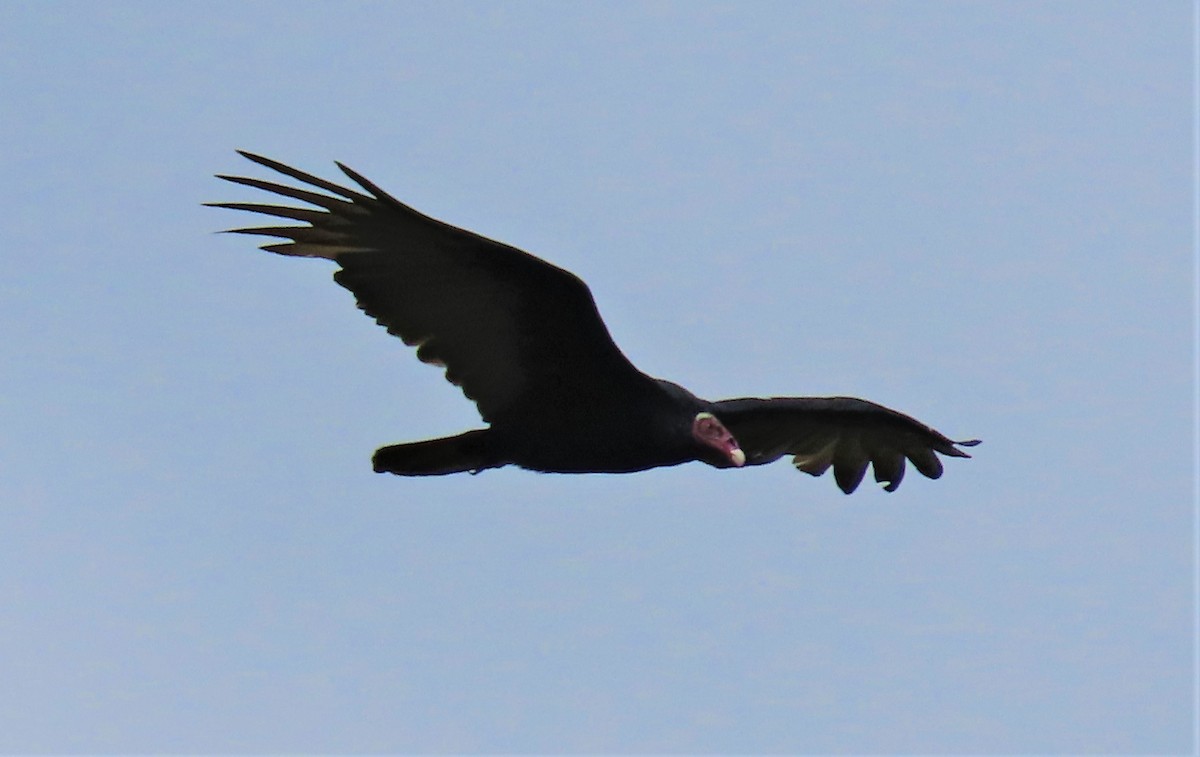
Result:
{"points": [[712, 433], [525, 342]]}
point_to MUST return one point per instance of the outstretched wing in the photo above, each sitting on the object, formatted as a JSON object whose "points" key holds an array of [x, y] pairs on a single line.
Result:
{"points": [[844, 433], [513, 331]]}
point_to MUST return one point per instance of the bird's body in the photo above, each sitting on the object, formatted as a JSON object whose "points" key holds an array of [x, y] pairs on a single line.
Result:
{"points": [[524, 340]]}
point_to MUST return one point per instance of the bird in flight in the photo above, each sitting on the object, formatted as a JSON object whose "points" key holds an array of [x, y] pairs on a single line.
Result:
{"points": [[523, 339]]}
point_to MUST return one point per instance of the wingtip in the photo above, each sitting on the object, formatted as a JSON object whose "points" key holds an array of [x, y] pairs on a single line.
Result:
{"points": [[266, 162], [955, 452], [255, 157], [358, 178]]}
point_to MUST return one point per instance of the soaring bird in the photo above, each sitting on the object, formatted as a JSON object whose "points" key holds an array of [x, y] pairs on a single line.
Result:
{"points": [[523, 339]]}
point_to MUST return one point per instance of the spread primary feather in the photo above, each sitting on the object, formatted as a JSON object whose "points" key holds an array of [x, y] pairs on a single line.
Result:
{"points": [[522, 338]]}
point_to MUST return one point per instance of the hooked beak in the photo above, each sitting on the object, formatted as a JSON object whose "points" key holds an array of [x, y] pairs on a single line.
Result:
{"points": [[708, 430]]}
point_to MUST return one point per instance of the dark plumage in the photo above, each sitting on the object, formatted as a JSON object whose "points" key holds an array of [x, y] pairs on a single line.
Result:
{"points": [[524, 340]]}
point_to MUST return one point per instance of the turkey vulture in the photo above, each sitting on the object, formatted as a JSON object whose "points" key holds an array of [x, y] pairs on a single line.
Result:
{"points": [[524, 340]]}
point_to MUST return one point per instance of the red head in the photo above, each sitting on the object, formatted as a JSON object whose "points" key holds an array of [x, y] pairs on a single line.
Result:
{"points": [[723, 450]]}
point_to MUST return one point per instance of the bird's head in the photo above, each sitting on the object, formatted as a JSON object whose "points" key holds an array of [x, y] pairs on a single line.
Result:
{"points": [[718, 446]]}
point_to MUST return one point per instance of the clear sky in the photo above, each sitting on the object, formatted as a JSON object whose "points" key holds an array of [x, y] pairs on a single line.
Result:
{"points": [[977, 213]]}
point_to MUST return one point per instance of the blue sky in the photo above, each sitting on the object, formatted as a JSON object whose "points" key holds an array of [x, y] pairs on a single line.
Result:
{"points": [[979, 214]]}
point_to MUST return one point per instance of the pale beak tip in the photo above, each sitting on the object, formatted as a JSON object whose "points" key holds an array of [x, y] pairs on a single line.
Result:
{"points": [[738, 457]]}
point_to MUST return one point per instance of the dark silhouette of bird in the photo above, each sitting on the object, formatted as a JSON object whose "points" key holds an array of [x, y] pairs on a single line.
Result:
{"points": [[523, 339]]}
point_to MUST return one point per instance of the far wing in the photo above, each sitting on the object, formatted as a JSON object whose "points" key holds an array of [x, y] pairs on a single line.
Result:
{"points": [[844, 433], [514, 331]]}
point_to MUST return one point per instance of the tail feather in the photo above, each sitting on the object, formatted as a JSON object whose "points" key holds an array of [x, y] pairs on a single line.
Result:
{"points": [[438, 457]]}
